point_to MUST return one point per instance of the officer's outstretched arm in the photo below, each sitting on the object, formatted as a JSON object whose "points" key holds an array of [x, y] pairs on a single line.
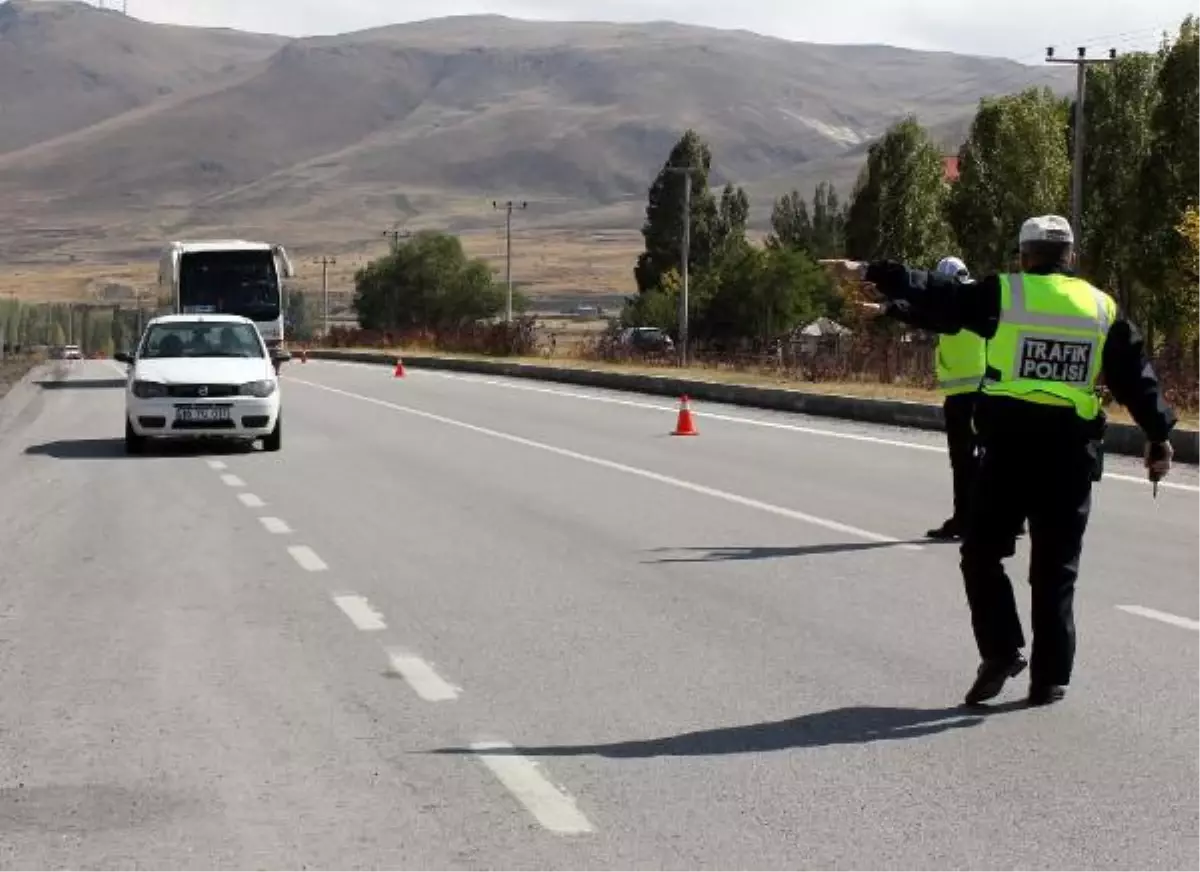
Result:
{"points": [[1134, 384], [935, 302]]}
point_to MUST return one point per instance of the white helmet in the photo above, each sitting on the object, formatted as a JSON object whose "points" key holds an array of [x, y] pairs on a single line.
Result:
{"points": [[952, 266]]}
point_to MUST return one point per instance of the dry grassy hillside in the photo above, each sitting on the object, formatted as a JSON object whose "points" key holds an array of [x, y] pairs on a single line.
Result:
{"points": [[65, 66], [119, 134]]}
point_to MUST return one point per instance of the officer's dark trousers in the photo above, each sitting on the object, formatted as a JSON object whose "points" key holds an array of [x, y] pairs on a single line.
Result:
{"points": [[958, 411], [1050, 485]]}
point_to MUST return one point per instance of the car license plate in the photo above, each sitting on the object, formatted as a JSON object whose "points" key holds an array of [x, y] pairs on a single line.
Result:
{"points": [[202, 414]]}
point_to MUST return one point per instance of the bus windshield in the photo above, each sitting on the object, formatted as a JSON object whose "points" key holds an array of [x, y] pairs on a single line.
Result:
{"points": [[229, 282]]}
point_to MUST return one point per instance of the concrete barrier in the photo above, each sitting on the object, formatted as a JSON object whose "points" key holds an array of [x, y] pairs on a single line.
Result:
{"points": [[1120, 439]]}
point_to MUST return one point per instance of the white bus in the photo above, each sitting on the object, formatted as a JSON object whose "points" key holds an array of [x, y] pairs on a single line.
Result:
{"points": [[229, 277]]}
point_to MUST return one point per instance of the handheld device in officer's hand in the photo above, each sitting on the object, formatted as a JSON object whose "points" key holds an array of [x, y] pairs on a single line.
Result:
{"points": [[1158, 452]]}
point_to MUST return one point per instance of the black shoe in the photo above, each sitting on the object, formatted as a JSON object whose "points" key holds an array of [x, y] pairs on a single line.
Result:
{"points": [[992, 676], [1045, 694], [948, 532]]}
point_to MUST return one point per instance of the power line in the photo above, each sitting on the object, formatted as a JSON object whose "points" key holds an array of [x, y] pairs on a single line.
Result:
{"points": [[1081, 62], [508, 206]]}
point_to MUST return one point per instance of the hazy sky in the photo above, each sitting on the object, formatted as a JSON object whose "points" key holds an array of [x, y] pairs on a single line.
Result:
{"points": [[1019, 29]]}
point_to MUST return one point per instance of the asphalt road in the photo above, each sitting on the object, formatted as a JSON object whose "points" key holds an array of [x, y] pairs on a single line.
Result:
{"points": [[467, 623]]}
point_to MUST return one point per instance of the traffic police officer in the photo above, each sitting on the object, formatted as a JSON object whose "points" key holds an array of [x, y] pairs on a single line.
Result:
{"points": [[960, 365], [1050, 337]]}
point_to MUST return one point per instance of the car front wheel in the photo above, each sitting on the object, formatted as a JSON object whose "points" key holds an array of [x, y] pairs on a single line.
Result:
{"points": [[134, 444], [274, 440]]}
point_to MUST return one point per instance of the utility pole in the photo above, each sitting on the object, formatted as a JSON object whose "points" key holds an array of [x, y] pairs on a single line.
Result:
{"points": [[685, 256], [326, 263], [508, 206], [1081, 62], [395, 235]]}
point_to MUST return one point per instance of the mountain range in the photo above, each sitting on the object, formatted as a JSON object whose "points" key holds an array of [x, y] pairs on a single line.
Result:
{"points": [[116, 134]]}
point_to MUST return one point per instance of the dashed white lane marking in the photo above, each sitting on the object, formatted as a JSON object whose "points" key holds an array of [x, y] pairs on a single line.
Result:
{"points": [[307, 558], [553, 808], [421, 677], [737, 499], [232, 480], [251, 501], [737, 419], [217, 465], [359, 611], [275, 525], [1165, 617]]}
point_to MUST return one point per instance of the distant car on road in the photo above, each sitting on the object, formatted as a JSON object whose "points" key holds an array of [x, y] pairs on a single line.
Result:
{"points": [[66, 352], [202, 376]]}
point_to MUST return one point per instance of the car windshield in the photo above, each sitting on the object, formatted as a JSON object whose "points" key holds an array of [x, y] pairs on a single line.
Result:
{"points": [[230, 282], [198, 339]]}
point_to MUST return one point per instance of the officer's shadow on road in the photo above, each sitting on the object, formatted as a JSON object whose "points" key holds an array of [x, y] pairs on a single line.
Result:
{"points": [[852, 725], [770, 552]]}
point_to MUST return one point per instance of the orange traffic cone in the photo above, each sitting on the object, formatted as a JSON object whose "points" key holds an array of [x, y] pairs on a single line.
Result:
{"points": [[685, 425], [399, 373]]}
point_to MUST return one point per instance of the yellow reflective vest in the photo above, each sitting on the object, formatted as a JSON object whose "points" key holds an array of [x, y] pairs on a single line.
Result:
{"points": [[961, 361], [1049, 342]]}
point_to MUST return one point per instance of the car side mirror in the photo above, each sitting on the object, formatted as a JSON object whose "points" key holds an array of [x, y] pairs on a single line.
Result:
{"points": [[123, 357], [278, 357]]}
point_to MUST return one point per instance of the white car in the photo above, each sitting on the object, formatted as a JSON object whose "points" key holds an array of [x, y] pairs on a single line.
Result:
{"points": [[200, 377]]}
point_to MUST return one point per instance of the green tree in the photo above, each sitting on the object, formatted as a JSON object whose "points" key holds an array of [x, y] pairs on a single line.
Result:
{"points": [[663, 227], [1014, 164], [299, 317], [98, 330], [658, 307], [761, 293], [733, 215], [427, 282], [898, 208], [828, 223], [820, 232], [1170, 182], [791, 225], [1121, 97]]}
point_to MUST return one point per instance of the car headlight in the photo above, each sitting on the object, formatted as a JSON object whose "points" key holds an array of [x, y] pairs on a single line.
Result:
{"points": [[263, 388], [148, 390]]}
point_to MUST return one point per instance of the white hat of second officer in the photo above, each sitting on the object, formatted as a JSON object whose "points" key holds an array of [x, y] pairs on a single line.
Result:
{"points": [[951, 266], [1047, 228]]}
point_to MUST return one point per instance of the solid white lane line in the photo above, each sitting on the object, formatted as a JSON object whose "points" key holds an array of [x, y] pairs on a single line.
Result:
{"points": [[307, 558], [274, 525], [359, 611], [251, 501], [710, 415], [553, 808], [1165, 617], [232, 480], [680, 483], [421, 677], [704, 414], [216, 464]]}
